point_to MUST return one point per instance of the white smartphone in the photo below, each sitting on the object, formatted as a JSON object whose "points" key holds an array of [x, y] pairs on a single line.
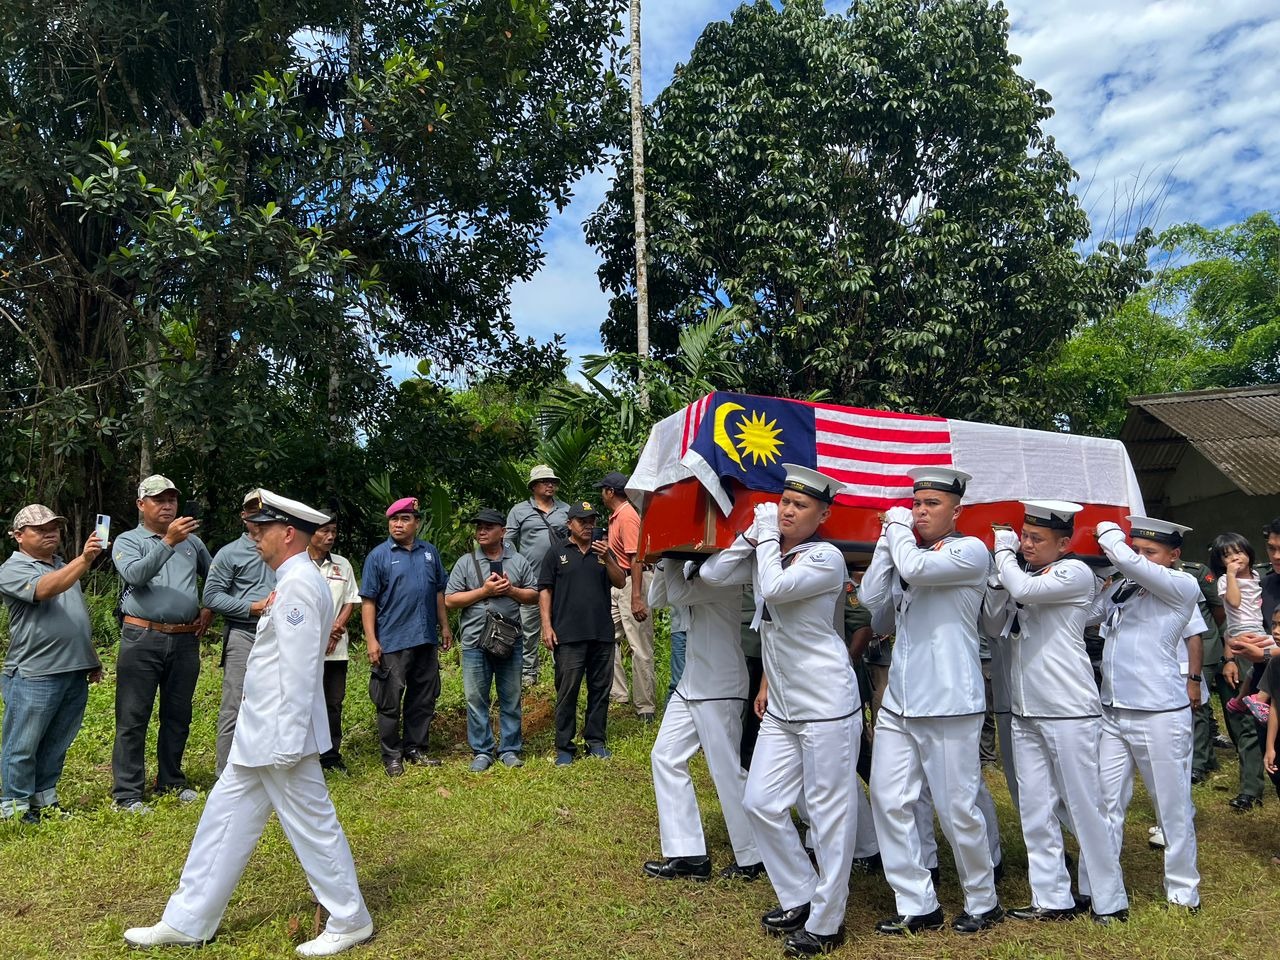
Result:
{"points": [[102, 527]]}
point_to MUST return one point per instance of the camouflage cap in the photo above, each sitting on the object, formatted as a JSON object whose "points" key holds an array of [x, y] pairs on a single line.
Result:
{"points": [[155, 485], [34, 515]]}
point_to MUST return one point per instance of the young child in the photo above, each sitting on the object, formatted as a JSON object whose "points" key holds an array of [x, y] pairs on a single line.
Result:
{"points": [[1270, 684], [1231, 558]]}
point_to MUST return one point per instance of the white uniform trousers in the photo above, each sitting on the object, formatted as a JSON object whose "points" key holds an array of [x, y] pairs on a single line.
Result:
{"points": [[1008, 763], [715, 727], [1058, 763], [942, 753], [1159, 746], [929, 839], [814, 759], [232, 822], [864, 838]]}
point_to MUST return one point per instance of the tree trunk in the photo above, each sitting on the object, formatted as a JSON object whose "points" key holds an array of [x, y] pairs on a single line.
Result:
{"points": [[637, 199]]}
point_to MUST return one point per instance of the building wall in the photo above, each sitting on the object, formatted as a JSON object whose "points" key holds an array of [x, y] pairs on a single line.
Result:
{"points": [[1230, 512]]}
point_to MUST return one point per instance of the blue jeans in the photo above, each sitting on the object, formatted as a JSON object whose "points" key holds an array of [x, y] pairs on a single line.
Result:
{"points": [[678, 640], [480, 672], [42, 716]]}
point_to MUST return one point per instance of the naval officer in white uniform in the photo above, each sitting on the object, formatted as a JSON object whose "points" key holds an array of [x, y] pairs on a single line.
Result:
{"points": [[812, 726], [1056, 715], [274, 763], [704, 713], [1146, 717], [931, 718]]}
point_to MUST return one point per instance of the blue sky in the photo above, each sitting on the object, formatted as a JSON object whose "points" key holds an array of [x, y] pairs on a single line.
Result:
{"points": [[1177, 99]]}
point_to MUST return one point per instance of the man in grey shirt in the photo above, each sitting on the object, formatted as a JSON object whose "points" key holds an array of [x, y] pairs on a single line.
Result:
{"points": [[239, 586], [533, 527], [159, 561], [492, 578], [50, 663]]}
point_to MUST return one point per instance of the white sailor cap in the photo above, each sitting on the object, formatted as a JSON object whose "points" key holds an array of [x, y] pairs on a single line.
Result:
{"points": [[277, 509], [1054, 514], [811, 482], [1161, 531], [939, 478]]}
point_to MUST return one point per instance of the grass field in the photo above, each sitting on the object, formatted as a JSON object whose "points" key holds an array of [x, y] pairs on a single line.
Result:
{"points": [[544, 862]]}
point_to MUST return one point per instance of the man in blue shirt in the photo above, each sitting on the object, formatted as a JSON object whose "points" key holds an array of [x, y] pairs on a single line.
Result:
{"points": [[402, 611]]}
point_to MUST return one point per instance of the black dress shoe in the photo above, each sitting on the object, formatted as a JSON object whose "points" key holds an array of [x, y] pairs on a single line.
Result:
{"points": [[905, 923], [675, 868], [779, 921], [1198, 777], [968, 923], [394, 768], [1032, 912], [742, 871], [1107, 919], [1245, 801], [420, 758], [871, 864], [803, 943], [1183, 908]]}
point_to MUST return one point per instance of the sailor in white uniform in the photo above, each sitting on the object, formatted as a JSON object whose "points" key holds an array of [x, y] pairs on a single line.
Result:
{"points": [[704, 713], [274, 764], [1057, 715], [931, 718], [812, 726], [1146, 716]]}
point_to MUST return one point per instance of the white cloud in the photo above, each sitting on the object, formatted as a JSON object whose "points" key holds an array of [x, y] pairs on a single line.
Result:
{"points": [[1176, 94]]}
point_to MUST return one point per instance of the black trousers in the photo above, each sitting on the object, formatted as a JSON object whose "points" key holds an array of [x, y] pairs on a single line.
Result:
{"points": [[335, 689], [405, 684], [151, 661], [750, 722], [574, 662]]}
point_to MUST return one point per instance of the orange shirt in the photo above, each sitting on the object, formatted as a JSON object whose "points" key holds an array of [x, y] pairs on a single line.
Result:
{"points": [[624, 533]]}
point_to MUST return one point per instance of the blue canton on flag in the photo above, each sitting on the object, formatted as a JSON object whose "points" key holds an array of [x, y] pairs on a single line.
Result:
{"points": [[748, 438]]}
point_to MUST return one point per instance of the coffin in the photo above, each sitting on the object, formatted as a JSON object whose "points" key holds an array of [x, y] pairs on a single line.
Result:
{"points": [[704, 468]]}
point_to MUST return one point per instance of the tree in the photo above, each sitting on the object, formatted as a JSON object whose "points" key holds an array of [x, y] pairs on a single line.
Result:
{"points": [[638, 203], [217, 215], [877, 194], [1210, 318]]}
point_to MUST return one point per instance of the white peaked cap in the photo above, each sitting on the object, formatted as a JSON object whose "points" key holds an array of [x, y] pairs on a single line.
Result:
{"points": [[1161, 531], [939, 478], [278, 509], [811, 482], [1055, 514]]}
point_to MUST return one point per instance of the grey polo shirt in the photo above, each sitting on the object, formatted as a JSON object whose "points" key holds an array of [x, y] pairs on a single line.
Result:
{"points": [[237, 578], [463, 578], [159, 580], [45, 636], [527, 534]]}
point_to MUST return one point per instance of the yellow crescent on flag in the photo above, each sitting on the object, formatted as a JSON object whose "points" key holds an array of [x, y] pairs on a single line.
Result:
{"points": [[721, 435]]}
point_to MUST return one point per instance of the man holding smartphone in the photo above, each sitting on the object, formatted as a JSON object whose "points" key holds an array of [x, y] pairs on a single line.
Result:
{"points": [[49, 665], [159, 562]]}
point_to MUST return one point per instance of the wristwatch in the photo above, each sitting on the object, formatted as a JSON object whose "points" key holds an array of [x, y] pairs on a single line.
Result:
{"points": [[1195, 677]]}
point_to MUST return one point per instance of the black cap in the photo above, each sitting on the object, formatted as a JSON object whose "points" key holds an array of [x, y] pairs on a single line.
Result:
{"points": [[581, 509], [614, 481], [488, 515]]}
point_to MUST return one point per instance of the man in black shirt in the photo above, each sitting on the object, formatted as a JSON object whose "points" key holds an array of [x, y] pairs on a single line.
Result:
{"points": [[577, 627]]}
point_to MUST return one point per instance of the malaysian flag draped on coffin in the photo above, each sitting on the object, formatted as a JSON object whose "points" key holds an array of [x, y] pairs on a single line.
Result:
{"points": [[747, 438]]}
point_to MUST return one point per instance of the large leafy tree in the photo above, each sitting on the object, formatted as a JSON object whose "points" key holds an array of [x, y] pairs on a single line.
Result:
{"points": [[215, 215], [1209, 318], [876, 192]]}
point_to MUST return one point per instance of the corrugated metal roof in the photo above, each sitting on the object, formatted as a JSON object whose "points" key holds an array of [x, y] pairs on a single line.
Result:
{"points": [[1237, 430]]}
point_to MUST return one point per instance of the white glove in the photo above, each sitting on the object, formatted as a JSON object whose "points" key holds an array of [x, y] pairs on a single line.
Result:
{"points": [[1007, 540], [283, 761], [902, 515], [690, 567], [1106, 526], [766, 520]]}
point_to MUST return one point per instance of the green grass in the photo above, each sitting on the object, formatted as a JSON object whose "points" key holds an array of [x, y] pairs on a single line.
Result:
{"points": [[544, 862]]}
